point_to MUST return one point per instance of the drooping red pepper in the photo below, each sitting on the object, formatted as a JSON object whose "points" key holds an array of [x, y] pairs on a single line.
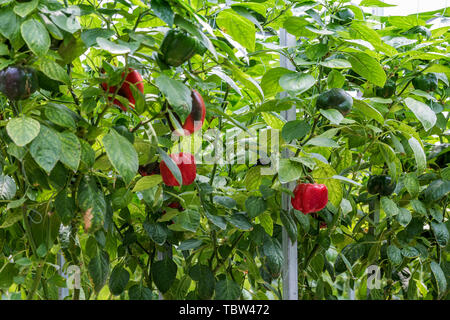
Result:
{"points": [[195, 119], [186, 163], [310, 197], [133, 77]]}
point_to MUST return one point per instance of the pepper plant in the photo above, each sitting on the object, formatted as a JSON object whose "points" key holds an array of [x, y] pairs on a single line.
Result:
{"points": [[91, 195]]}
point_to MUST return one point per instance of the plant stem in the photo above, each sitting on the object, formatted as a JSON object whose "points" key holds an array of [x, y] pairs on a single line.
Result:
{"points": [[37, 280]]}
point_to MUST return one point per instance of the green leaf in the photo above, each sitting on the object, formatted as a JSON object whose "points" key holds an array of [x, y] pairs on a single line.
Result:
{"points": [[227, 202], [271, 249], [412, 184], [23, 130], [46, 148], [177, 94], [389, 206], [61, 115], [296, 82], [375, 3], [227, 290], [164, 273], [272, 120], [289, 171], [404, 216], [9, 22], [7, 187], [190, 244], [336, 64], [335, 79], [64, 207], [367, 67], [66, 23], [162, 10], [187, 220], [25, 8], [440, 277], [419, 154], [323, 173], [422, 112], [156, 231], [11, 218], [333, 115], [112, 47], [239, 28], [440, 232], [270, 81], [139, 292], [289, 224], [437, 189], [70, 150], [36, 36], [122, 155], [322, 142], [118, 280], [99, 269], [91, 199], [240, 221], [394, 254], [147, 182], [295, 129], [7, 274], [410, 252], [255, 206], [89, 37], [54, 71], [368, 111]]}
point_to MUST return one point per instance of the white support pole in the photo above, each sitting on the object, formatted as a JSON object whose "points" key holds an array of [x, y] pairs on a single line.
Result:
{"points": [[62, 292], [290, 266]]}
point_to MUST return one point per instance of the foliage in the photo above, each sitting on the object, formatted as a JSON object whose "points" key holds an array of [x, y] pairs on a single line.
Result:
{"points": [[70, 183]]}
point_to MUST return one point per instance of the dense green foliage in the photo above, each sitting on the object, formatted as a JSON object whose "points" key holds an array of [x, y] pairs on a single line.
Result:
{"points": [[80, 175]]}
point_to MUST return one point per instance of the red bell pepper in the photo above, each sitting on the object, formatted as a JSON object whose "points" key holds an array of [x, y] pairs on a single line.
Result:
{"points": [[310, 197]]}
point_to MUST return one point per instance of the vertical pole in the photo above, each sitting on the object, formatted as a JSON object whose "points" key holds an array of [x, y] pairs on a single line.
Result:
{"points": [[374, 210], [290, 266], [62, 292]]}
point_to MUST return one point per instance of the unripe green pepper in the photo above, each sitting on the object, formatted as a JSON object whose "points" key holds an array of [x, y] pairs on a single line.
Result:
{"points": [[335, 98], [178, 47], [387, 91], [426, 82]]}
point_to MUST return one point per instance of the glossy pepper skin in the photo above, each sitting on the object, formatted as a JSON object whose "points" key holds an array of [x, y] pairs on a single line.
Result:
{"points": [[335, 98], [387, 91], [133, 77], [310, 197], [195, 119], [426, 82], [177, 47], [18, 83], [186, 163], [380, 184]]}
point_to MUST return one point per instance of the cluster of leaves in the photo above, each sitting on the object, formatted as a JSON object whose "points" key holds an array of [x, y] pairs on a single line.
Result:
{"points": [[69, 157]]}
